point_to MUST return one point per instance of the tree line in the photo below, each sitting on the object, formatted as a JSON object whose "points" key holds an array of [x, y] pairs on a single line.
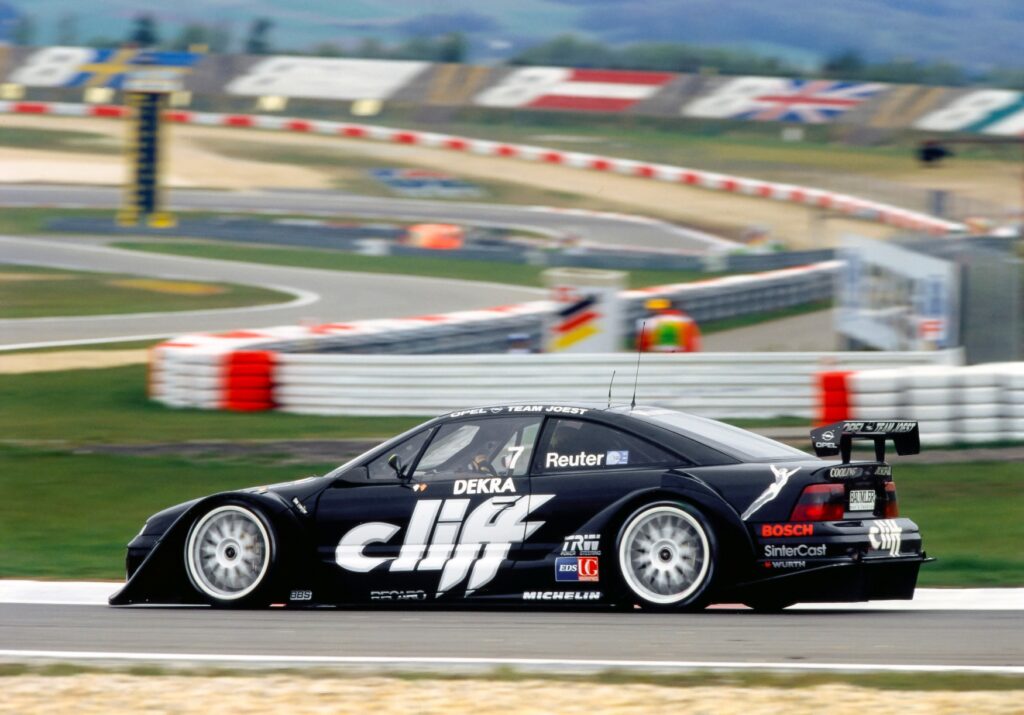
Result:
{"points": [[144, 31]]}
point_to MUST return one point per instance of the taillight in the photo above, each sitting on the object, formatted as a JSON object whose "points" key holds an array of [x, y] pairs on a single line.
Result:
{"points": [[820, 502], [892, 506]]}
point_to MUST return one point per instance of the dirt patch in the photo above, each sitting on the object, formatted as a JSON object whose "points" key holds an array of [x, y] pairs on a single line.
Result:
{"points": [[70, 360], [170, 287], [100, 693], [193, 162]]}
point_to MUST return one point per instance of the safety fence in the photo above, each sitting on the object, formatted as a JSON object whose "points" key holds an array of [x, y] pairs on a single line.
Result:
{"points": [[182, 368], [741, 186], [320, 84], [973, 404], [712, 384]]}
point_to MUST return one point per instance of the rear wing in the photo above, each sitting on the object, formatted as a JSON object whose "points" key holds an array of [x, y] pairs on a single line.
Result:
{"points": [[837, 438]]}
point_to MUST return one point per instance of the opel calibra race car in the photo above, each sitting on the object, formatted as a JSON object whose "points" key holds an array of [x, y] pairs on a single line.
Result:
{"points": [[552, 504]]}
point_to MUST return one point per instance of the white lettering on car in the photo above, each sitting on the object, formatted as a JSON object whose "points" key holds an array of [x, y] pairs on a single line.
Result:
{"points": [[554, 460], [561, 595], [349, 554], [484, 539], [886, 535], [494, 485]]}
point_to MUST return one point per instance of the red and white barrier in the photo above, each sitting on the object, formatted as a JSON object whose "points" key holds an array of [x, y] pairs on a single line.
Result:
{"points": [[236, 370], [975, 404], [789, 193]]}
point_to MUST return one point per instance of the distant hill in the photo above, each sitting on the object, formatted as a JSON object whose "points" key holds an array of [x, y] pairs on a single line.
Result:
{"points": [[977, 34]]}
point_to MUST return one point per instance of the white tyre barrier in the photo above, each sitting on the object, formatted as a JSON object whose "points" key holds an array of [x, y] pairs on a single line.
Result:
{"points": [[972, 405]]}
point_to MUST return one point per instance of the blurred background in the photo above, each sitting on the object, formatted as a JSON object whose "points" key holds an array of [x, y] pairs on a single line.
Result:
{"points": [[242, 242]]}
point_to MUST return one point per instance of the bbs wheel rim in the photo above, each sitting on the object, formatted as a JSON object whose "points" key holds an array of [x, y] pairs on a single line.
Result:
{"points": [[664, 554], [228, 553]]}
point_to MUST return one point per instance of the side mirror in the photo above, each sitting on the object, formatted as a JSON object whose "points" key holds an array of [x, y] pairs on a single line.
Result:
{"points": [[396, 464]]}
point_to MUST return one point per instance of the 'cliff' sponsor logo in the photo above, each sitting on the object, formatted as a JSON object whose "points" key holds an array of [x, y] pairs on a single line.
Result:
{"points": [[446, 536], [886, 535]]}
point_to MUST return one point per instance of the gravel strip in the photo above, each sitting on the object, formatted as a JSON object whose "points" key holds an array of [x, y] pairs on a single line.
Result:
{"points": [[88, 694]]}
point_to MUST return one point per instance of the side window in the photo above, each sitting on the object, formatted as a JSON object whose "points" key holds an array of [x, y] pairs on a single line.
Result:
{"points": [[496, 447], [407, 452], [576, 445]]}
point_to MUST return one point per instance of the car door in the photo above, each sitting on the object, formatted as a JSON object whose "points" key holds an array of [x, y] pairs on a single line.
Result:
{"points": [[448, 530], [358, 519], [589, 466]]}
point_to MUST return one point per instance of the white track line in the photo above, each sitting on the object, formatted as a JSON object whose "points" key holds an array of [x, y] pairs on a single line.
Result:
{"points": [[526, 663], [83, 341], [95, 593]]}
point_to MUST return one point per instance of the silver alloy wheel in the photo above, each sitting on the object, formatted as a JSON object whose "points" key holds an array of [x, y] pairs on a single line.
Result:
{"points": [[664, 554], [228, 553]]}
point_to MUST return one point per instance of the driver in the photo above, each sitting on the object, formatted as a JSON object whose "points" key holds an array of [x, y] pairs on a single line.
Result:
{"points": [[485, 448]]}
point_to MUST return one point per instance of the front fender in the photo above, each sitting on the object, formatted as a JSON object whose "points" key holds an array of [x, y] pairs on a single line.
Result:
{"points": [[161, 577]]}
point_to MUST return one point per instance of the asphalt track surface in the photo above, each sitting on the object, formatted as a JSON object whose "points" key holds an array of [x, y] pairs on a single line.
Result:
{"points": [[319, 296], [801, 640], [603, 229]]}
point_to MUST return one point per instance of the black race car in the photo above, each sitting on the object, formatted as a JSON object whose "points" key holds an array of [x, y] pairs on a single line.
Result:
{"points": [[552, 504]]}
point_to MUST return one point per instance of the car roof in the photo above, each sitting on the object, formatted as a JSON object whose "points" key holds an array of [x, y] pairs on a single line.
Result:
{"points": [[678, 430]]}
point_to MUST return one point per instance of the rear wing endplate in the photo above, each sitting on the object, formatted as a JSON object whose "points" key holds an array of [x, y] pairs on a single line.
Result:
{"points": [[837, 439]]}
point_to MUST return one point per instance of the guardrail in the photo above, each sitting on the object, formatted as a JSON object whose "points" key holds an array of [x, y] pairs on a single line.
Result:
{"points": [[753, 188], [975, 404]]}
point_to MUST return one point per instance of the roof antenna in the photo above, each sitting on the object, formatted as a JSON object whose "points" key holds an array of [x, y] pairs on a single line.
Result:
{"points": [[610, 383], [639, 351]]}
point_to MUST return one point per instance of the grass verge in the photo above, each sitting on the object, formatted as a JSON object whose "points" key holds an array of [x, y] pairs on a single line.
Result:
{"points": [[33, 292], [110, 406], [59, 140], [441, 267]]}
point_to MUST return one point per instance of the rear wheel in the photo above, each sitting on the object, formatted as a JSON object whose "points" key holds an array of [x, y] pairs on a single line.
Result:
{"points": [[229, 555], [667, 557]]}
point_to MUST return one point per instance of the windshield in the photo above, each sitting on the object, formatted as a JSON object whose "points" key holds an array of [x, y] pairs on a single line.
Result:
{"points": [[739, 443]]}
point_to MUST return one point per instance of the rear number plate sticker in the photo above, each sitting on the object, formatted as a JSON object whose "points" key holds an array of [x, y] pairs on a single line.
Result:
{"points": [[862, 500]]}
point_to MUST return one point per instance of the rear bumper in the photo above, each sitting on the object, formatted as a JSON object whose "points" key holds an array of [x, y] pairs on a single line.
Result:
{"points": [[861, 580]]}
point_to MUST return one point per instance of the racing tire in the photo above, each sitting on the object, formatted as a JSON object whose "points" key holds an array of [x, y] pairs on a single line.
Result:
{"points": [[230, 554], [666, 557]]}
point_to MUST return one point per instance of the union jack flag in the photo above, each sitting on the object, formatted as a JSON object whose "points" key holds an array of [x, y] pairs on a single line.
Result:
{"points": [[779, 99], [813, 101]]}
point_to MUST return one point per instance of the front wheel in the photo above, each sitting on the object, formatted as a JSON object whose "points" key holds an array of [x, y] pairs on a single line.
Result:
{"points": [[229, 555], [667, 557]]}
